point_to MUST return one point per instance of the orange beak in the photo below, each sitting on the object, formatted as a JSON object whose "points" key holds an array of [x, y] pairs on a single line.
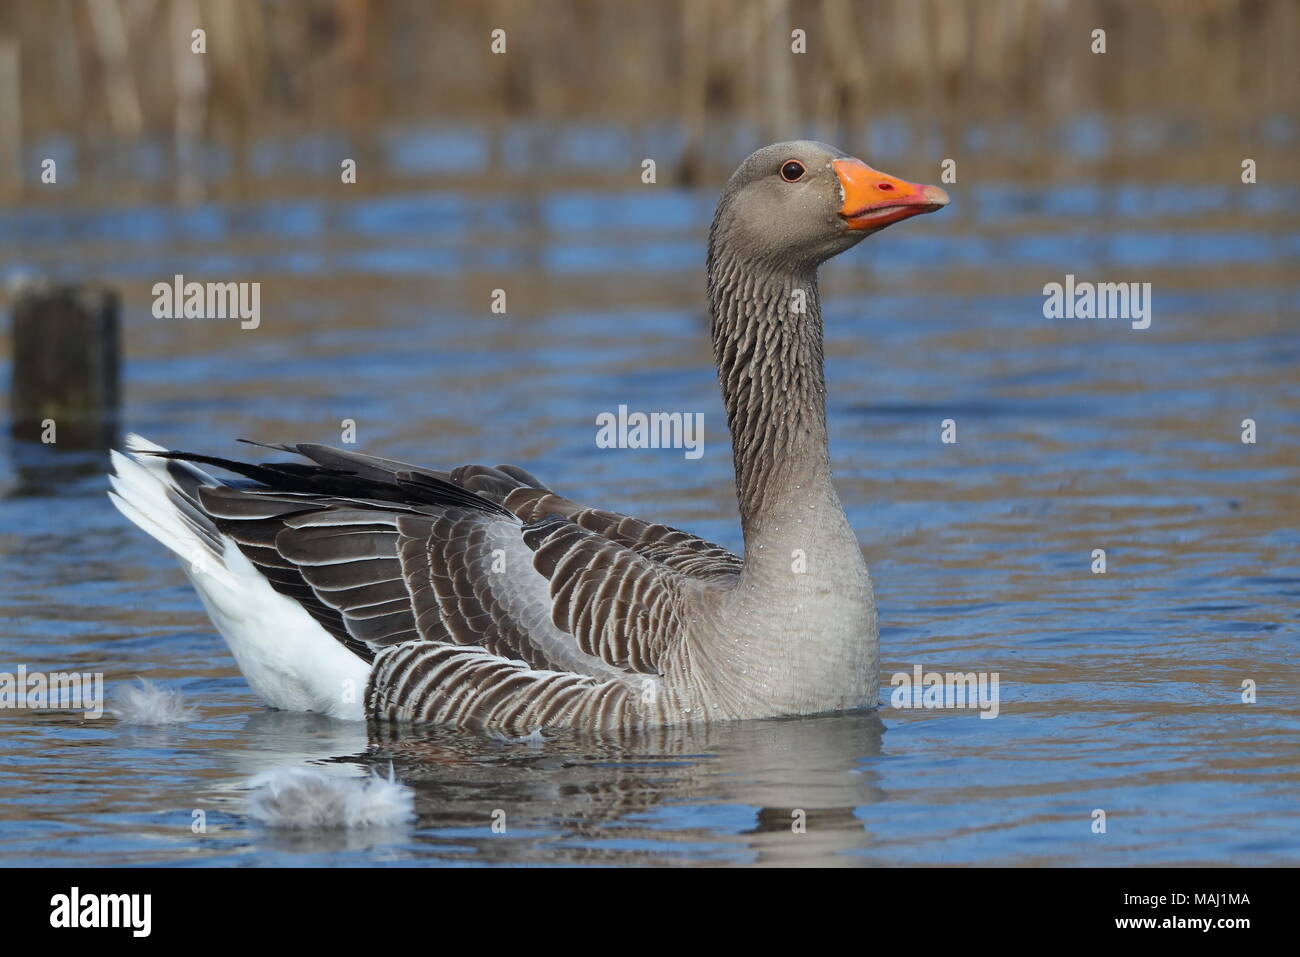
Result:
{"points": [[874, 200]]}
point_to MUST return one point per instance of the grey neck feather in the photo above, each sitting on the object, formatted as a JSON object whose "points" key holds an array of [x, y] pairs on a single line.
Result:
{"points": [[767, 345]]}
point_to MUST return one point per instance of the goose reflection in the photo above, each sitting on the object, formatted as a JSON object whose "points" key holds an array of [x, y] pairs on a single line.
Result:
{"points": [[781, 791]]}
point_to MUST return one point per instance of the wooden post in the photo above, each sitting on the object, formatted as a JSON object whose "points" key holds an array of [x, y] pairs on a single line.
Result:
{"points": [[66, 353]]}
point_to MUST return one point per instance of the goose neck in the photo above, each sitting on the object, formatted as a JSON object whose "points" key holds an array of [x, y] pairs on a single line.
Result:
{"points": [[768, 342]]}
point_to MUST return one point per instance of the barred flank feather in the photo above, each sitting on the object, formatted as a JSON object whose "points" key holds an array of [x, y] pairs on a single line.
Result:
{"points": [[470, 687]]}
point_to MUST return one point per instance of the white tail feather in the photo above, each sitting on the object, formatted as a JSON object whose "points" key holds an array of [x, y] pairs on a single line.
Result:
{"points": [[290, 661], [140, 484]]}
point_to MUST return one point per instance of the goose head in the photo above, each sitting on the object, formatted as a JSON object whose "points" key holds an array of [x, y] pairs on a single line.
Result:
{"points": [[801, 202]]}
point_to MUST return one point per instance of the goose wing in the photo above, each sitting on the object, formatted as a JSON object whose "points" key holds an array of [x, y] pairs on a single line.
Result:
{"points": [[383, 553], [526, 497]]}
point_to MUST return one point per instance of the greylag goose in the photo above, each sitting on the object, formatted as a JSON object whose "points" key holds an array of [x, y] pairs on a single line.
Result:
{"points": [[364, 587]]}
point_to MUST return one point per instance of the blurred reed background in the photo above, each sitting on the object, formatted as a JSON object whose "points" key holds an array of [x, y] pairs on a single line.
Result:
{"points": [[110, 85]]}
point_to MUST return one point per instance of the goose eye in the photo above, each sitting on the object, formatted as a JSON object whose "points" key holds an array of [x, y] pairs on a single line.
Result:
{"points": [[792, 171]]}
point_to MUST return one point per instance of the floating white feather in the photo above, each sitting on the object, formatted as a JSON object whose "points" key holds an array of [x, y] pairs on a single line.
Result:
{"points": [[308, 798], [151, 704]]}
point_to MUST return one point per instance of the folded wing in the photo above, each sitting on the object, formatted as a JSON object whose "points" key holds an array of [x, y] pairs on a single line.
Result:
{"points": [[542, 596]]}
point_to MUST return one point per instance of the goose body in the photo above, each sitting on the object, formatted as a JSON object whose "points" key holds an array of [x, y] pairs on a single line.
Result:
{"points": [[363, 587]]}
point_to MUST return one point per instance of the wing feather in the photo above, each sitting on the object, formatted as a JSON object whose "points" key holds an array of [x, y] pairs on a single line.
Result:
{"points": [[480, 595]]}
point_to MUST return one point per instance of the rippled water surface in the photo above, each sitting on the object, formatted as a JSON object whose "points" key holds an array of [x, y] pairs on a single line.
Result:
{"points": [[1119, 691]]}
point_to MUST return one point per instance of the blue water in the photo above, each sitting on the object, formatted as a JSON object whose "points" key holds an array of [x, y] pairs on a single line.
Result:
{"points": [[1119, 691]]}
